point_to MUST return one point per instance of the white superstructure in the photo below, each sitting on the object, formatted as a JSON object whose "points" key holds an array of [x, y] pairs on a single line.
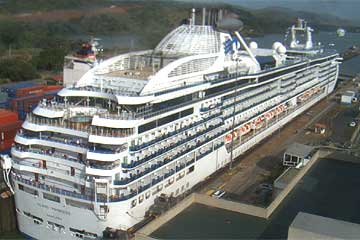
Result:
{"points": [[157, 121]]}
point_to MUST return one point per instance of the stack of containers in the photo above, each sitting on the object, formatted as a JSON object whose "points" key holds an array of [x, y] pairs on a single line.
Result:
{"points": [[4, 103], [8, 91], [28, 98], [9, 125]]}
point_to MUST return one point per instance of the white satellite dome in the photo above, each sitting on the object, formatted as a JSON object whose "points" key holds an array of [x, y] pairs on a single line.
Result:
{"points": [[276, 45], [281, 50], [253, 45]]}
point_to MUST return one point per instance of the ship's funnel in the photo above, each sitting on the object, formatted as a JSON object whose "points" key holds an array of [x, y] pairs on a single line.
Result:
{"points": [[230, 25]]}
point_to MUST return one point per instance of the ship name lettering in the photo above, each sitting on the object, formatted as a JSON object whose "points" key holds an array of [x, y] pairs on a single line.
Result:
{"points": [[61, 211], [43, 205], [54, 217]]}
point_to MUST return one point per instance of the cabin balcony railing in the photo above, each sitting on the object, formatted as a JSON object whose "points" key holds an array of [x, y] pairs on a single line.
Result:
{"points": [[106, 90], [122, 116], [268, 96], [65, 141], [54, 123], [103, 167], [53, 189], [168, 135], [107, 151], [182, 166], [165, 162], [164, 150], [205, 109], [47, 153]]}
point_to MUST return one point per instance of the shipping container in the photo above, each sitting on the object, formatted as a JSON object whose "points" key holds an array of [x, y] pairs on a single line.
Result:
{"points": [[6, 152], [37, 90], [3, 97], [6, 145], [26, 103], [22, 114], [34, 90], [11, 88], [7, 116], [53, 88], [5, 105], [8, 131]]}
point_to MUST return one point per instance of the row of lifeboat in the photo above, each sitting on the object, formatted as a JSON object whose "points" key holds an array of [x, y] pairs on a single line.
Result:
{"points": [[308, 94], [256, 124]]}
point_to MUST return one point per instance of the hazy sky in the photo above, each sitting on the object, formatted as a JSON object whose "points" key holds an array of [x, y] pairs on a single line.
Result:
{"points": [[347, 9]]}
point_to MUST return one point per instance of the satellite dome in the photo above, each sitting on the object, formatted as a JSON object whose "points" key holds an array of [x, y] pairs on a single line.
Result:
{"points": [[276, 45], [230, 25], [253, 45], [281, 50]]}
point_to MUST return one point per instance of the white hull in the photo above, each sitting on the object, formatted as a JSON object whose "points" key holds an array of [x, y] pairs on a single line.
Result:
{"points": [[154, 122], [120, 213]]}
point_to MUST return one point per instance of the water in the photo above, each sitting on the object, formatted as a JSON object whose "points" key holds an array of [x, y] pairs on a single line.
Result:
{"points": [[328, 190], [326, 39]]}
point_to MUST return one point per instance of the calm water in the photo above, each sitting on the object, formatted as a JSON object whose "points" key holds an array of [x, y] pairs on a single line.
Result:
{"points": [[328, 189]]}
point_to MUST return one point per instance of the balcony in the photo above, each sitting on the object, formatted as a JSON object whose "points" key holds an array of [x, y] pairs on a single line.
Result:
{"points": [[53, 157], [164, 150], [106, 155], [66, 144], [171, 134], [57, 173], [53, 189], [100, 171], [213, 106], [38, 124], [175, 157]]}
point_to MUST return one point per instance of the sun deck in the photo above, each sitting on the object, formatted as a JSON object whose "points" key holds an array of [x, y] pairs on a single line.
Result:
{"points": [[142, 74]]}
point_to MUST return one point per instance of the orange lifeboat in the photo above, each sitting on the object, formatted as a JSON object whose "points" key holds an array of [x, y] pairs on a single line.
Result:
{"points": [[245, 129], [279, 109], [258, 123], [269, 115], [228, 138]]}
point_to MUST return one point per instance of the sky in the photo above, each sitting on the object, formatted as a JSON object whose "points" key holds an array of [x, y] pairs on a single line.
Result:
{"points": [[347, 9]]}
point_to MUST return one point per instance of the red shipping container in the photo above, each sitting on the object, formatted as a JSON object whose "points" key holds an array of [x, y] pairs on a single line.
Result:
{"points": [[7, 116], [8, 131], [20, 103], [52, 88], [6, 145], [30, 90]]}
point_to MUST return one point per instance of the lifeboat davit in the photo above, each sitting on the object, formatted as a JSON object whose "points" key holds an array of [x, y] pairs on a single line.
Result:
{"points": [[235, 135], [258, 123]]}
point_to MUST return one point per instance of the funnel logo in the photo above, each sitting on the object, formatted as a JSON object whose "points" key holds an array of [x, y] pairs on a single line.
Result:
{"points": [[230, 45]]}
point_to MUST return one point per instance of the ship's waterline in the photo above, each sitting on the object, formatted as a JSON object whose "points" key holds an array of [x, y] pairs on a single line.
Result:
{"points": [[157, 122]]}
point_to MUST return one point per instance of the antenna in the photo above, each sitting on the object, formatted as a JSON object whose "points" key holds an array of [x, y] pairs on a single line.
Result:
{"points": [[192, 21], [203, 16]]}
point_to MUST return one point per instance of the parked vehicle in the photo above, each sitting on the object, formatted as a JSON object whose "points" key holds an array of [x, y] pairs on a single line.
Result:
{"points": [[218, 194]]}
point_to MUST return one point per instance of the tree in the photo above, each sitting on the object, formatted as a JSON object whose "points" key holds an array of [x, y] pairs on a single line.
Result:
{"points": [[17, 70], [51, 59]]}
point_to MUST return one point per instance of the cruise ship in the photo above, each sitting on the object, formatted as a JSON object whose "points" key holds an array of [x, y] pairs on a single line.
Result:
{"points": [[154, 122]]}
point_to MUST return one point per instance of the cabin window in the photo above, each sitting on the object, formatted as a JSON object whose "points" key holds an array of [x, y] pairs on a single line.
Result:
{"points": [[191, 169], [51, 197]]}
